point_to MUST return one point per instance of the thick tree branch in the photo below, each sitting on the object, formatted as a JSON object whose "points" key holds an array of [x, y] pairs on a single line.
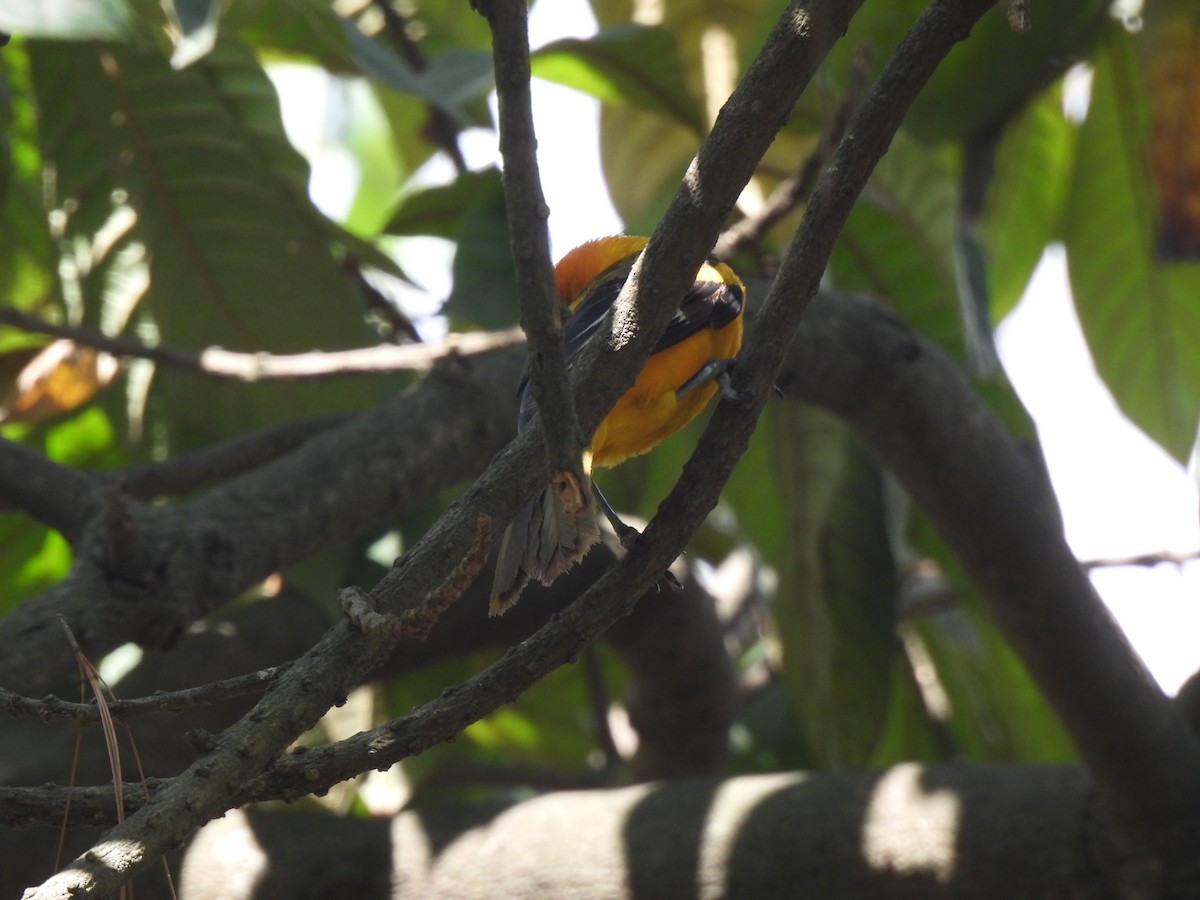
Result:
{"points": [[47, 492], [936, 833], [992, 503]]}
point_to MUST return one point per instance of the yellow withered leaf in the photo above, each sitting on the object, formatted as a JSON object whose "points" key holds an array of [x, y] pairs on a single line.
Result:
{"points": [[51, 381]]}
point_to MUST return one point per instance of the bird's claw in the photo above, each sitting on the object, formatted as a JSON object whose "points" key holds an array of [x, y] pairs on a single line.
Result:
{"points": [[716, 370]]}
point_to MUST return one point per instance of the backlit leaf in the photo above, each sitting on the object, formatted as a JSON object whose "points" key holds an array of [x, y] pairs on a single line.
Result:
{"points": [[1139, 313]]}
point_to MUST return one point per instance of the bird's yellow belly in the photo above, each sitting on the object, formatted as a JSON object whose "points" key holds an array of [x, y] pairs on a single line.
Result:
{"points": [[649, 412]]}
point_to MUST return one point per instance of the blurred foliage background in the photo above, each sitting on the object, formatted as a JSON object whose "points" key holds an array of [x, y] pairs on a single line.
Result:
{"points": [[148, 190]]}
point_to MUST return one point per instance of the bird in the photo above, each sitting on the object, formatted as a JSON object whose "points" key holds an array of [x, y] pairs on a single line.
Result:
{"points": [[688, 365]]}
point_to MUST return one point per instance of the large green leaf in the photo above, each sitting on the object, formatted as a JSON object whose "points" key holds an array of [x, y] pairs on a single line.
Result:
{"points": [[27, 265], [485, 280], [440, 210], [992, 75], [470, 211], [1024, 202], [899, 242], [237, 254], [817, 514], [1139, 314], [643, 153], [996, 711], [627, 64]]}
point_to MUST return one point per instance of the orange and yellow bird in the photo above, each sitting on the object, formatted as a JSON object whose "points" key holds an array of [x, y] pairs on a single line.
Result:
{"points": [[683, 372]]}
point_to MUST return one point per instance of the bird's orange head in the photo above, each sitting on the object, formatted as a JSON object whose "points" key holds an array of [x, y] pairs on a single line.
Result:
{"points": [[579, 267]]}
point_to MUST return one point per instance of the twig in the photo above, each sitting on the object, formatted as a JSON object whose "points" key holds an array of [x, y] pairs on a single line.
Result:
{"points": [[1148, 560], [51, 707], [441, 129], [89, 675], [416, 623], [525, 205], [54, 805], [217, 362]]}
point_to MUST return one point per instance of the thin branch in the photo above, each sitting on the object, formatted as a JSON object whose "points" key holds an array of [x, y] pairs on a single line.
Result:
{"points": [[51, 707], [216, 362], [53, 805], [1147, 560], [598, 703], [525, 205], [416, 622]]}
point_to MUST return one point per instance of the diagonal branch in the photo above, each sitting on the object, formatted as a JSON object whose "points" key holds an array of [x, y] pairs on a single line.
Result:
{"points": [[220, 462]]}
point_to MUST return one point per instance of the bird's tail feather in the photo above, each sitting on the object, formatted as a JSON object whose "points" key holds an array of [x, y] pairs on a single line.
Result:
{"points": [[543, 542]]}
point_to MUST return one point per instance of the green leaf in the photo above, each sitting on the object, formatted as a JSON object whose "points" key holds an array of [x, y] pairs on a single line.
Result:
{"points": [[768, 737], [238, 256], [899, 242], [68, 20], [27, 258], [470, 211], [644, 154], [439, 211], [381, 170], [307, 29], [1024, 203], [36, 557], [485, 281], [1139, 315], [458, 77], [819, 519], [997, 712], [628, 64], [644, 157], [992, 75]]}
